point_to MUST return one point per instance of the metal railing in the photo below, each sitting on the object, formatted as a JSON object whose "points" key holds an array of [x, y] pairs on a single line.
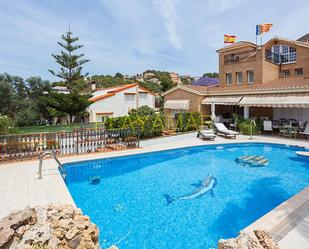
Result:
{"points": [[81, 141], [53, 154]]}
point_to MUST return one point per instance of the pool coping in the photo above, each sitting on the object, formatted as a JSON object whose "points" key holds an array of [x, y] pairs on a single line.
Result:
{"points": [[59, 194], [286, 217]]}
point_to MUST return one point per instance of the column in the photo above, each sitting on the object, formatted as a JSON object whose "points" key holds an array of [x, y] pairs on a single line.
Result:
{"points": [[246, 112], [213, 108]]}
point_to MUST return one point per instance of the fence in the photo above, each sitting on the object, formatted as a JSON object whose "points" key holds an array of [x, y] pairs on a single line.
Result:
{"points": [[81, 141]]}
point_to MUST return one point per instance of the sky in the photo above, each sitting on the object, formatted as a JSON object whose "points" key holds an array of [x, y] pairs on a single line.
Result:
{"points": [[131, 36]]}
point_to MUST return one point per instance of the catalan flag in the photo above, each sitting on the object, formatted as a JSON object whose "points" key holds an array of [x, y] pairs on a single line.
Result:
{"points": [[262, 28], [229, 38]]}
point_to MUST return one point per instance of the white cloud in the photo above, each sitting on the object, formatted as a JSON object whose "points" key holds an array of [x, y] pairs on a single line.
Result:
{"points": [[168, 13]]}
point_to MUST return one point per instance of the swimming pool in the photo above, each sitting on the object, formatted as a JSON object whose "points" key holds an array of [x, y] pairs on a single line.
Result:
{"points": [[185, 198]]}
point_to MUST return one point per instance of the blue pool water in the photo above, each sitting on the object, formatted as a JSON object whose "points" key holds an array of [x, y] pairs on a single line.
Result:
{"points": [[126, 196]]}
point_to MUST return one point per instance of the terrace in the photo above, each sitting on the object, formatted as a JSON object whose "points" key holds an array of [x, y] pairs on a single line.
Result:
{"points": [[244, 56]]}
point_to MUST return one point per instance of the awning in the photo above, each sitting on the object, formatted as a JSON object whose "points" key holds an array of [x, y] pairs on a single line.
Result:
{"points": [[276, 100], [222, 100], [177, 104]]}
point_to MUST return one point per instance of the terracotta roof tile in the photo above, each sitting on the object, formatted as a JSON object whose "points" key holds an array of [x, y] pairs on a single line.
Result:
{"points": [[201, 89], [279, 84], [115, 90]]}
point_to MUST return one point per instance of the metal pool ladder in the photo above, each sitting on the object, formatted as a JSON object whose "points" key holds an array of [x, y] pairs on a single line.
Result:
{"points": [[53, 154]]}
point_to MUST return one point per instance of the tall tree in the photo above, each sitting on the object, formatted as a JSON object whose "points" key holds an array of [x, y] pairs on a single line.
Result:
{"points": [[70, 63]]}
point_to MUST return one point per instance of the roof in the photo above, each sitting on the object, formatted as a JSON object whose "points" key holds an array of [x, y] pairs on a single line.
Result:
{"points": [[304, 38], [199, 90], [282, 85], [111, 91], [297, 84], [297, 42], [237, 45]]}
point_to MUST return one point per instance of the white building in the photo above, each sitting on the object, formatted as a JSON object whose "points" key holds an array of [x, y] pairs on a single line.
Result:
{"points": [[155, 80], [118, 101], [61, 89]]}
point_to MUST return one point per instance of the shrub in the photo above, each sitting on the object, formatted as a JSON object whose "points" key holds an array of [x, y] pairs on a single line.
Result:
{"points": [[157, 126], [188, 121], [142, 111], [6, 125], [245, 127]]}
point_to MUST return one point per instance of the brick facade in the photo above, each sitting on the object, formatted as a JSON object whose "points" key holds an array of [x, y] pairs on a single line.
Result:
{"points": [[270, 76], [246, 56]]}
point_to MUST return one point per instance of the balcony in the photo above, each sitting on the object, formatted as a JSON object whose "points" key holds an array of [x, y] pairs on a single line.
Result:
{"points": [[280, 58], [249, 55]]}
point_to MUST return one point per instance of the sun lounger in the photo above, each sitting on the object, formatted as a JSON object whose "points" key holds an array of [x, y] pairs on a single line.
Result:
{"points": [[306, 131], [206, 134], [221, 129]]}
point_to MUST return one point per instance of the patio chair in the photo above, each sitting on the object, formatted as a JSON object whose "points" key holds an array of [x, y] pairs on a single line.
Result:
{"points": [[220, 128], [276, 124], [206, 134], [306, 131], [267, 125], [302, 126]]}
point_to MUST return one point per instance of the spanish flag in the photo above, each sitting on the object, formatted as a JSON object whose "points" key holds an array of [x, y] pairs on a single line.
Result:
{"points": [[229, 38], [262, 28]]}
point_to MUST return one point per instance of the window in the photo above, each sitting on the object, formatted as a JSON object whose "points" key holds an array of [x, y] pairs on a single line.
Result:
{"points": [[299, 72], [285, 73], [239, 77], [143, 96], [283, 54], [250, 76], [228, 78], [129, 98]]}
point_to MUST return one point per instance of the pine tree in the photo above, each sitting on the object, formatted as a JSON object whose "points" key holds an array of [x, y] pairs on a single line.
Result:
{"points": [[71, 64]]}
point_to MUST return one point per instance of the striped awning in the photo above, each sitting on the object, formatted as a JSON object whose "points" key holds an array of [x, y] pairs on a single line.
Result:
{"points": [[222, 100], [177, 104], [276, 100]]}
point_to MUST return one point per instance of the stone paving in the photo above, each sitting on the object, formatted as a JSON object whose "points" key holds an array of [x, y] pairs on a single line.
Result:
{"points": [[19, 186]]}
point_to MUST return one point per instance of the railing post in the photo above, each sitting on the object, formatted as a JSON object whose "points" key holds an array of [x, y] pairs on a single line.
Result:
{"points": [[77, 141], [138, 136], [40, 167]]}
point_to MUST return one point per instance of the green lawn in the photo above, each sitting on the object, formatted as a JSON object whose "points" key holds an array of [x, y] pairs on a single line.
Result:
{"points": [[57, 128]]}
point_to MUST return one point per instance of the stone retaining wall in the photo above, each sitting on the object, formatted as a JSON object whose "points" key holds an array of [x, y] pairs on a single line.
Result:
{"points": [[253, 240], [51, 227]]}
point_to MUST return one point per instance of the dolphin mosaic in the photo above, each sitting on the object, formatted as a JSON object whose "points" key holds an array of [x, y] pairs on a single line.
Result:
{"points": [[204, 187]]}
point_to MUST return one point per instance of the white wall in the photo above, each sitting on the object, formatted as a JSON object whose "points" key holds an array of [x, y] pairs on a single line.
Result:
{"points": [[120, 104], [300, 114]]}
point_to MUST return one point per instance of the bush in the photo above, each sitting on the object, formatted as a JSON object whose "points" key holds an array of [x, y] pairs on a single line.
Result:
{"points": [[189, 121], [245, 127], [6, 125], [143, 121]]}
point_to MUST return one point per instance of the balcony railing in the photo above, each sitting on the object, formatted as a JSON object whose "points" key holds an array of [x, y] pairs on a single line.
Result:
{"points": [[249, 55]]}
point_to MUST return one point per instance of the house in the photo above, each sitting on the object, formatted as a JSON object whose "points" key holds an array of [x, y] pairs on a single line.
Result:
{"points": [[155, 80], [61, 89], [118, 101], [270, 81], [185, 98], [175, 78], [149, 75]]}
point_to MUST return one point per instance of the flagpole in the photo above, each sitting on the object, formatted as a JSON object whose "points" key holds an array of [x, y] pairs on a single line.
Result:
{"points": [[256, 34]]}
